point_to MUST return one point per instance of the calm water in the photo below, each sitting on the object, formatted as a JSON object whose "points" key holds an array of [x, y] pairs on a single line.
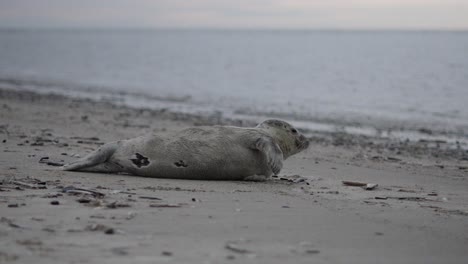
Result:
{"points": [[369, 79]]}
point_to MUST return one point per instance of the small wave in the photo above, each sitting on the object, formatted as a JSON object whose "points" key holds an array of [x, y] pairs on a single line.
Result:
{"points": [[75, 89]]}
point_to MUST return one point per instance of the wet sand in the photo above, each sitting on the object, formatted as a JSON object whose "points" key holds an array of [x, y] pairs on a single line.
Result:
{"points": [[418, 213]]}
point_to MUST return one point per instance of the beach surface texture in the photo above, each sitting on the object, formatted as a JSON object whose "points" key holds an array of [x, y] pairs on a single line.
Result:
{"points": [[344, 200]]}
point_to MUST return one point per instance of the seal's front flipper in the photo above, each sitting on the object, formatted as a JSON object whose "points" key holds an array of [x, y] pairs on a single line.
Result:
{"points": [[93, 159], [272, 152]]}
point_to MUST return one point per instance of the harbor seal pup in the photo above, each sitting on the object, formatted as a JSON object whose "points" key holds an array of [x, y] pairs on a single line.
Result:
{"points": [[203, 153]]}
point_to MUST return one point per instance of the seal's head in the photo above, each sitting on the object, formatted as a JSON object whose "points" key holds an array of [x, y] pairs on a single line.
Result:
{"points": [[289, 139]]}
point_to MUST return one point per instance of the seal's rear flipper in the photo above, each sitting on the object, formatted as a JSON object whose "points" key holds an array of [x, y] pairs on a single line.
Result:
{"points": [[91, 162]]}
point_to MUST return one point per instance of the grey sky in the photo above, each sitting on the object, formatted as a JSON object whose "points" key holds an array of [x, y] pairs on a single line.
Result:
{"points": [[303, 14]]}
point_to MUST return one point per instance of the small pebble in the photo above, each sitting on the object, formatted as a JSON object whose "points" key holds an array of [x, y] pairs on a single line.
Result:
{"points": [[166, 253], [84, 200], [54, 202], [109, 231], [13, 205], [48, 229]]}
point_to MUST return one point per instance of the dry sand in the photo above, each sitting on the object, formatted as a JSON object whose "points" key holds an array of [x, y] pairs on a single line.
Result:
{"points": [[417, 214]]}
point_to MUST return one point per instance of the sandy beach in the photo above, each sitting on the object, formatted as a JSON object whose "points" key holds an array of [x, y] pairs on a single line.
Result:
{"points": [[418, 213]]}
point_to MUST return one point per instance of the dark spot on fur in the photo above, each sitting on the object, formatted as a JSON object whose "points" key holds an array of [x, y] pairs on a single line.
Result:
{"points": [[180, 163], [140, 160]]}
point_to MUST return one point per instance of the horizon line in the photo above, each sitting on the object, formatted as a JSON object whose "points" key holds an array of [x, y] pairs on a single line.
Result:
{"points": [[330, 29]]}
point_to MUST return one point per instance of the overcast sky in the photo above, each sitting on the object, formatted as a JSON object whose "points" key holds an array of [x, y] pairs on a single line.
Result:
{"points": [[296, 14]]}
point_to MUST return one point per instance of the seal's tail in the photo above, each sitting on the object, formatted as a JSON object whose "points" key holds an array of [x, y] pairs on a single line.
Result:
{"points": [[92, 161]]}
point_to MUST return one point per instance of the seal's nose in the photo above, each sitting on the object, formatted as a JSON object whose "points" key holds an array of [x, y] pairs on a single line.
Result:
{"points": [[302, 142], [303, 138]]}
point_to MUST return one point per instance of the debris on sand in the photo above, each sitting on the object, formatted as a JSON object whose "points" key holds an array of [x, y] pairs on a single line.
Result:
{"points": [[130, 215], [393, 159], [28, 182], [370, 186], [167, 253], [381, 198], [446, 211], [178, 205], [121, 251], [9, 222], [405, 198], [74, 190], [235, 247], [27, 185], [29, 242], [305, 248], [52, 195], [89, 142], [48, 229], [117, 204], [168, 188], [407, 191], [413, 198], [84, 200], [46, 160], [366, 186], [357, 184], [100, 227], [293, 179], [149, 198], [109, 231], [86, 138]]}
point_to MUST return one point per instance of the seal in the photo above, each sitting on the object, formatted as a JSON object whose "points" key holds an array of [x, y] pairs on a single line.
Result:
{"points": [[202, 153]]}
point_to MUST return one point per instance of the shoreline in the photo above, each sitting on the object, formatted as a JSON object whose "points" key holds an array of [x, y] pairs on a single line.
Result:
{"points": [[436, 146], [447, 130], [416, 214]]}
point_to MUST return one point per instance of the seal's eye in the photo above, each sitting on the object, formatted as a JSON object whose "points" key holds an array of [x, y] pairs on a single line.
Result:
{"points": [[293, 130]]}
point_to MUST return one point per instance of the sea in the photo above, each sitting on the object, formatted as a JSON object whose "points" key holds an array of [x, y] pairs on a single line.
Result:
{"points": [[396, 84]]}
